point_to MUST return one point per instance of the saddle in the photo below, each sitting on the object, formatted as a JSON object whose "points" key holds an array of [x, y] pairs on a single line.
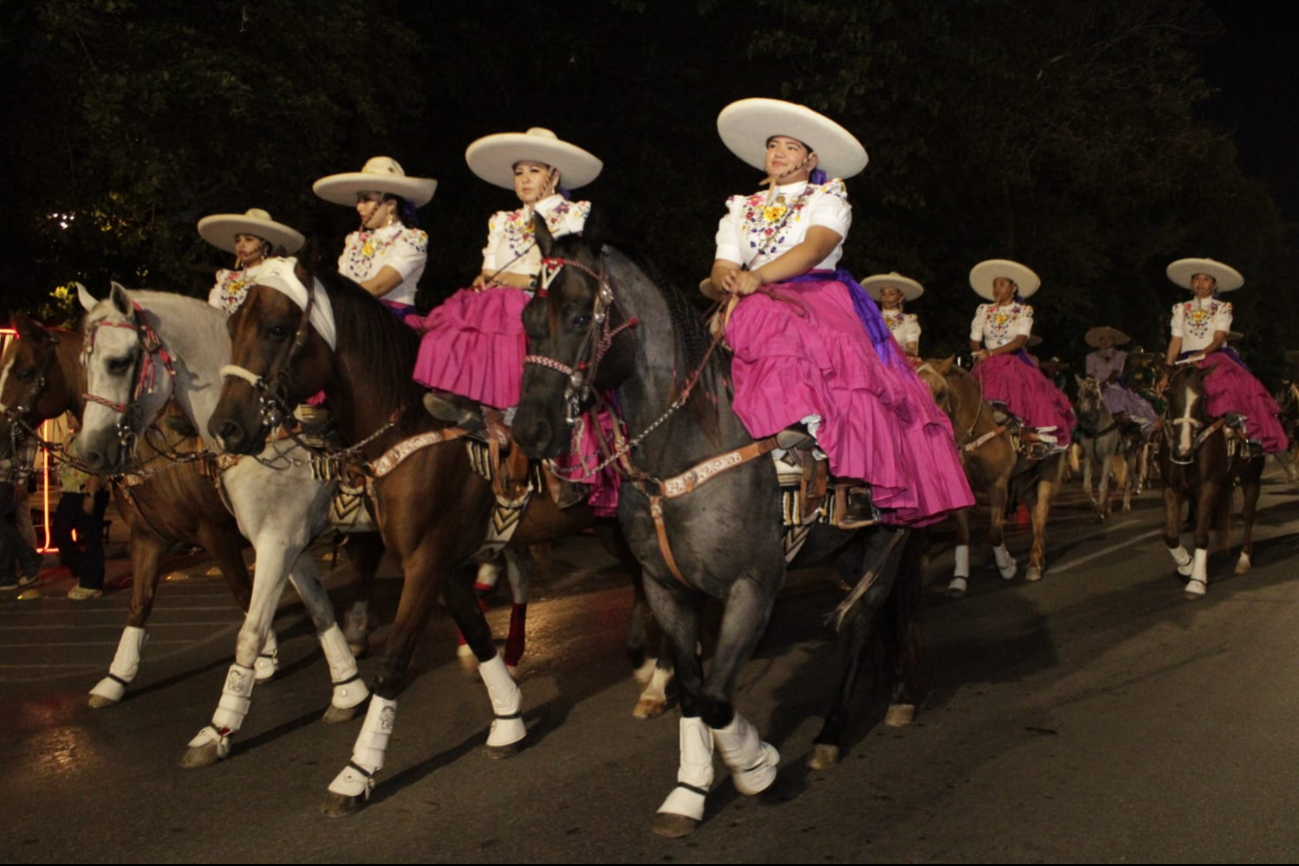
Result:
{"points": [[808, 497]]}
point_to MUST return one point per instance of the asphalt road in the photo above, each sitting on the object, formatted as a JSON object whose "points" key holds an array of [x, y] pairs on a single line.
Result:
{"points": [[1093, 716]]}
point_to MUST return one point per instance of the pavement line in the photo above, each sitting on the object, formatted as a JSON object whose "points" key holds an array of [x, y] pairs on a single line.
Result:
{"points": [[1106, 551]]}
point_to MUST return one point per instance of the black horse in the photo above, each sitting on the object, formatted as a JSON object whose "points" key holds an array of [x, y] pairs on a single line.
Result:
{"points": [[603, 324]]}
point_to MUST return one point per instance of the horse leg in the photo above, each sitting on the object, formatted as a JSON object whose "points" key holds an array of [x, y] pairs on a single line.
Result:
{"points": [[146, 566], [1250, 488], [226, 547], [1087, 472], [518, 568], [961, 573], [212, 743], [349, 691], [1205, 502], [365, 550], [1173, 530], [1103, 495], [852, 646], [997, 495], [1041, 511], [677, 611], [489, 574]]}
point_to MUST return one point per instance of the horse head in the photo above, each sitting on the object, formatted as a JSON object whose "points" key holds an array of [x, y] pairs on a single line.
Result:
{"points": [[580, 340], [278, 360], [955, 391], [128, 377], [1188, 410], [33, 385], [1090, 407]]}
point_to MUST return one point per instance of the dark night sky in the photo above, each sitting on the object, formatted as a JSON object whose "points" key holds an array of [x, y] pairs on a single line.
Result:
{"points": [[1255, 65]]}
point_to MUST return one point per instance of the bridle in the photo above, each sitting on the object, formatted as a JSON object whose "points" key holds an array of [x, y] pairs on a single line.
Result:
{"points": [[273, 388], [19, 428], [145, 373]]}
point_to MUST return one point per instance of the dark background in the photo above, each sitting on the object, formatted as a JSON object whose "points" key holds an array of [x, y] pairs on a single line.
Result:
{"points": [[1094, 142]]}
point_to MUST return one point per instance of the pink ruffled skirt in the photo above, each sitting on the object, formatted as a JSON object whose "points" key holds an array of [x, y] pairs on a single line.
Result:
{"points": [[474, 345], [1027, 393], [1232, 388], [605, 482], [809, 354]]}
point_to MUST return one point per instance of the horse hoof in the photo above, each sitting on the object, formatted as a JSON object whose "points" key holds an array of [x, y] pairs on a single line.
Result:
{"points": [[900, 715], [1033, 573], [98, 702], [337, 715], [957, 588], [1009, 572], [650, 708], [201, 756], [674, 826], [645, 672], [340, 805], [497, 753], [823, 757], [1243, 565], [1194, 590]]}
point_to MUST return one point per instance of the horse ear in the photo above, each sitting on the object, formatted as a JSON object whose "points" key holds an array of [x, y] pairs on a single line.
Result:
{"points": [[541, 232], [595, 228], [87, 300], [29, 329], [945, 367], [121, 299], [309, 256], [1079, 379]]}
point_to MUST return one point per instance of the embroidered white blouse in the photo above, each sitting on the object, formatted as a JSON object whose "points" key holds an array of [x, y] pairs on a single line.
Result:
{"points": [[754, 232], [1196, 321], [904, 326], [232, 287], [510, 246], [399, 247], [995, 326]]}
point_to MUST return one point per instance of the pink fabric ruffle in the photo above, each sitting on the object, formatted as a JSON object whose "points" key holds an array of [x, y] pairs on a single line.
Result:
{"points": [[806, 353], [474, 345], [605, 483], [1027, 393], [1232, 388]]}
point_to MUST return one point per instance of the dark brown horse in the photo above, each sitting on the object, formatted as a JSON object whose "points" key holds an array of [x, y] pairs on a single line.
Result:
{"points": [[1201, 464], [433, 508], [992, 466]]}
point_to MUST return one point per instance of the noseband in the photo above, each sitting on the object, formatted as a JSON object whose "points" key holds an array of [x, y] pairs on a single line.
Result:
{"points": [[146, 369], [273, 389], [596, 342]]}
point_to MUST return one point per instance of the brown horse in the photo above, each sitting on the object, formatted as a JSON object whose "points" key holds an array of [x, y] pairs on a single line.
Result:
{"points": [[433, 508], [1201, 464], [992, 466]]}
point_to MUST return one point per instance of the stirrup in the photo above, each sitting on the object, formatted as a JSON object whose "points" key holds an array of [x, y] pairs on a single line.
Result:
{"points": [[458, 410], [795, 438], [854, 509]]}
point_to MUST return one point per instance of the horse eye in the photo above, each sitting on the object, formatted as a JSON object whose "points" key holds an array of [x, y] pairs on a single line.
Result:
{"points": [[277, 332], [118, 366], [26, 375], [582, 321]]}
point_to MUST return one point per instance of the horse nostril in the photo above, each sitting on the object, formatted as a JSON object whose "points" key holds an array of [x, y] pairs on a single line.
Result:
{"points": [[230, 434]]}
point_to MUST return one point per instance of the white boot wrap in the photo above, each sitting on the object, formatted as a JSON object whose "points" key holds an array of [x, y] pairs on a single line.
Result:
{"points": [[126, 664], [507, 700], [1183, 560], [488, 573], [1005, 562], [349, 688], [695, 776], [752, 762], [358, 616], [962, 561], [1199, 573], [236, 697], [368, 754], [268, 660]]}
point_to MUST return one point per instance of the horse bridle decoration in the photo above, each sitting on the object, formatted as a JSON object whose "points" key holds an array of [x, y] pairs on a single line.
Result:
{"points": [[273, 388], [596, 342], [145, 372]]}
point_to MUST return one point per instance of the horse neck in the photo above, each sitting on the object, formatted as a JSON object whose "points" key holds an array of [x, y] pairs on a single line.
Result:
{"points": [[973, 414], [68, 358]]}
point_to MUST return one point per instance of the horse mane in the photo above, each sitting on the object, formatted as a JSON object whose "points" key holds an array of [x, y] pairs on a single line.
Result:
{"points": [[385, 348]]}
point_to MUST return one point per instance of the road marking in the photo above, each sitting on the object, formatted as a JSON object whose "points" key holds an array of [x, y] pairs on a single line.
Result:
{"points": [[1106, 551]]}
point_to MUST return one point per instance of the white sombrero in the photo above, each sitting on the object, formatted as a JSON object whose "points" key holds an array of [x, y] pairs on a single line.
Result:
{"points": [[380, 174], [492, 157], [746, 125], [220, 229], [1181, 271], [982, 275], [909, 288], [1094, 336]]}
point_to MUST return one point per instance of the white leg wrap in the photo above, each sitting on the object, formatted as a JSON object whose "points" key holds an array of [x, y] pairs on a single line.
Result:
{"points": [[268, 660], [695, 776], [507, 700], [752, 762], [963, 560], [126, 664], [358, 616], [349, 688], [368, 754], [1183, 560], [958, 586], [236, 697], [1005, 562], [1199, 573], [488, 574]]}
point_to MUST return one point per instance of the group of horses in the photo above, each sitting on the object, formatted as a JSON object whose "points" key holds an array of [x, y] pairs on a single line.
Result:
{"points": [[699, 519]]}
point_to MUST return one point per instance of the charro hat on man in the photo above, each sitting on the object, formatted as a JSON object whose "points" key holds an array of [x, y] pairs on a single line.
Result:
{"points": [[984, 273], [493, 157], [746, 125], [220, 229], [379, 174]]}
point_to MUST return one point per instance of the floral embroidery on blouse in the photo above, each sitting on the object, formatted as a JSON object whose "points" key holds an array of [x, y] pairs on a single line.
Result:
{"points": [[1197, 321], [231, 289], [371, 244], [766, 225], [516, 228], [999, 322]]}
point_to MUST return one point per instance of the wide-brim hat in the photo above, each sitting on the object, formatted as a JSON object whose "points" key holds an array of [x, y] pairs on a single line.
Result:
{"points": [[877, 283], [220, 229], [1181, 271], [746, 125], [1033, 341], [1094, 336], [492, 157], [982, 275], [379, 174]]}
